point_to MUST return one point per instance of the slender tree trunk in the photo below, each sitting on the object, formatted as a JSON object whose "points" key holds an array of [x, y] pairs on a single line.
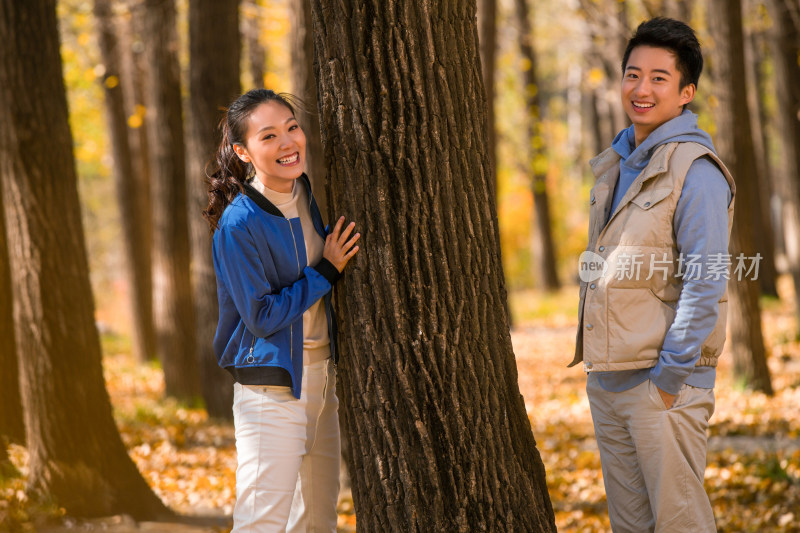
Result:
{"points": [[786, 45], [12, 428], [735, 147], [214, 46], [127, 186], [594, 132], [767, 273], [438, 431], [305, 87], [608, 30], [681, 10], [172, 290], [487, 38], [543, 247], [765, 86], [256, 53], [134, 80], [77, 457], [676, 9]]}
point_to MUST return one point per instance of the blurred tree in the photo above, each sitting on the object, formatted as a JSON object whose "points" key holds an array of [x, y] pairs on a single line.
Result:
{"points": [[256, 53], [135, 241], [438, 431], [607, 25], [676, 9], [305, 87], [543, 249], [12, 428], [753, 60], [734, 144], [133, 76], [487, 38], [173, 306], [785, 15], [77, 457], [214, 72]]}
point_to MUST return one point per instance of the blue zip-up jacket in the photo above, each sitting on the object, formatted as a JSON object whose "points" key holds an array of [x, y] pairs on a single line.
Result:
{"points": [[264, 285]]}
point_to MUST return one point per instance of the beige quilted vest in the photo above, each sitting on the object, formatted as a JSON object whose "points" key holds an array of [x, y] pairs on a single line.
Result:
{"points": [[623, 322]]}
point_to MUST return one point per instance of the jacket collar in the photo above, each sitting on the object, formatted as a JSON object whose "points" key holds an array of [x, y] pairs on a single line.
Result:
{"points": [[262, 202], [603, 162], [606, 170]]}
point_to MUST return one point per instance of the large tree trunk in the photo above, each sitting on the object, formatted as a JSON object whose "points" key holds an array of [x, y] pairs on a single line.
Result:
{"points": [[543, 247], [214, 46], [786, 45], [172, 289], [12, 428], [438, 431], [305, 87], [127, 187], [487, 38], [77, 458], [735, 146]]}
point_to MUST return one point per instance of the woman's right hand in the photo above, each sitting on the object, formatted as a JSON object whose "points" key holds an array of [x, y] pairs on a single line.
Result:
{"points": [[338, 249]]}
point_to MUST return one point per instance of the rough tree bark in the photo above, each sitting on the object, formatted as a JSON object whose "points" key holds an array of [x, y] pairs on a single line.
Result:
{"points": [[172, 290], [127, 186], [487, 38], [786, 46], [77, 457], [438, 431], [544, 255], [735, 146], [305, 86], [12, 428], [214, 45]]}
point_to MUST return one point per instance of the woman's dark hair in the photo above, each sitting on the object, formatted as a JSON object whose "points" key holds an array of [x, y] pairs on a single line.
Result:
{"points": [[675, 36], [228, 172]]}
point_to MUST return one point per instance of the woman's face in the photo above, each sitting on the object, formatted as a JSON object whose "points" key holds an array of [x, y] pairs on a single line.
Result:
{"points": [[275, 145]]}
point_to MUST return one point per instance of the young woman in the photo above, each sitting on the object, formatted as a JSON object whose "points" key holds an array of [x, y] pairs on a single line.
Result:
{"points": [[276, 335]]}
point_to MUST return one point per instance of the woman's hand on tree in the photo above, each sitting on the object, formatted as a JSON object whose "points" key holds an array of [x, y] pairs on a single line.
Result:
{"points": [[338, 248]]}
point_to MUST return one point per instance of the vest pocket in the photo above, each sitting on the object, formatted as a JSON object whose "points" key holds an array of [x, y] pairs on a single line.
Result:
{"points": [[650, 197], [637, 323]]}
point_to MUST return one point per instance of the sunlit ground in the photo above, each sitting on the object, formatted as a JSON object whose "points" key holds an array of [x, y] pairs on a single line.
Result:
{"points": [[753, 476]]}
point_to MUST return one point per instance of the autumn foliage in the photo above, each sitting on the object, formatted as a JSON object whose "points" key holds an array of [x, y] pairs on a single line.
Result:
{"points": [[753, 474]]}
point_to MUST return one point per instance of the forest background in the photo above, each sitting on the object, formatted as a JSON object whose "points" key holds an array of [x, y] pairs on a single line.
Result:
{"points": [[555, 105]]}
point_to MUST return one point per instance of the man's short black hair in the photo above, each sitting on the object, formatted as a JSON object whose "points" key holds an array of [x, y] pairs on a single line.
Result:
{"points": [[675, 36]]}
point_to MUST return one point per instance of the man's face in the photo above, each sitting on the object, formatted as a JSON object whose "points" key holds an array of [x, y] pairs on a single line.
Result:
{"points": [[651, 92]]}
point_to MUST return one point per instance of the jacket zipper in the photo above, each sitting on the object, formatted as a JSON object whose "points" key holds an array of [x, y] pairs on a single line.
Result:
{"points": [[250, 358]]}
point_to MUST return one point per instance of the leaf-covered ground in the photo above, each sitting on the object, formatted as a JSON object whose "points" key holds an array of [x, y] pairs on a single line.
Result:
{"points": [[753, 474]]}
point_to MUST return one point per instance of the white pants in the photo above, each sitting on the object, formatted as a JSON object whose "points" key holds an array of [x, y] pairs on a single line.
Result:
{"points": [[288, 451], [653, 458]]}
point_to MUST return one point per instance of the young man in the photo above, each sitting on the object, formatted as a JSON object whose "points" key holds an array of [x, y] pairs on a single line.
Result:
{"points": [[652, 324]]}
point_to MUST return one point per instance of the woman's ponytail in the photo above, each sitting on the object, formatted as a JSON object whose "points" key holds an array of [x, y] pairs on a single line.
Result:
{"points": [[226, 179]]}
